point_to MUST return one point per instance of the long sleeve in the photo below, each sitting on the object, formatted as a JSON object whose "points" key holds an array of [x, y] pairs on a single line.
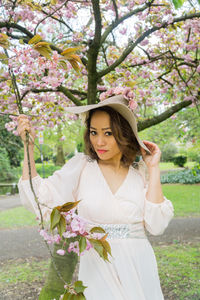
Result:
{"points": [[54, 190], [156, 215]]}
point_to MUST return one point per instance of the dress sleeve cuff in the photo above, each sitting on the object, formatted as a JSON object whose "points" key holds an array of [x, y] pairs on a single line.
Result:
{"points": [[158, 215]]}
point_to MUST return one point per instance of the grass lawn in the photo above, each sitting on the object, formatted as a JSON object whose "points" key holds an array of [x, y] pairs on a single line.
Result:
{"points": [[185, 198], [23, 270], [179, 267], [178, 270], [17, 217], [170, 165]]}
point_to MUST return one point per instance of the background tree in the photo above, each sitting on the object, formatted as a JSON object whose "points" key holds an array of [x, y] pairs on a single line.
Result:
{"points": [[12, 144], [145, 45]]}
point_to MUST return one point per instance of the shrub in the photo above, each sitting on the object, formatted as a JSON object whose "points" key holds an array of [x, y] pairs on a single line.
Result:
{"points": [[70, 155], [168, 152], [185, 177], [5, 169], [48, 170], [179, 160]]}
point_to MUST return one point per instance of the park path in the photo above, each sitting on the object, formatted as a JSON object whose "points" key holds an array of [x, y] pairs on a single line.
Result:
{"points": [[26, 242]]}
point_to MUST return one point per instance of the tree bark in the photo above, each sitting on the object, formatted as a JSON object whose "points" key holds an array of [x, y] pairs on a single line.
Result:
{"points": [[60, 157]]}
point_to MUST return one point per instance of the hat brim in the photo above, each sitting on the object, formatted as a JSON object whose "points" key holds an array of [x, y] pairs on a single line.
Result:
{"points": [[117, 103]]}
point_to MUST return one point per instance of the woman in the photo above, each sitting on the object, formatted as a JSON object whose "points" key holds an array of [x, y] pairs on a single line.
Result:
{"points": [[114, 195]]}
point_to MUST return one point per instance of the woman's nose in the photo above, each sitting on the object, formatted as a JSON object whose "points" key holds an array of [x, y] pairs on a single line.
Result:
{"points": [[100, 140]]}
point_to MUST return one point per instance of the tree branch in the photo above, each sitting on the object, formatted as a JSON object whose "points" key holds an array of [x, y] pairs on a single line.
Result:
{"points": [[147, 33], [16, 26], [38, 91], [49, 15], [120, 20], [163, 116], [67, 93], [115, 8]]}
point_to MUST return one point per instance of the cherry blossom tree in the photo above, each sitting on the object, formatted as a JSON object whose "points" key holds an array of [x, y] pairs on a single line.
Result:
{"points": [[57, 53], [147, 46]]}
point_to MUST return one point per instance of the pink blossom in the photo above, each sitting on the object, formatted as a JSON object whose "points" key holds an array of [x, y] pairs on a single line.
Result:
{"points": [[144, 42], [132, 104], [74, 247], [198, 69], [78, 225], [89, 245], [102, 96], [60, 252]]}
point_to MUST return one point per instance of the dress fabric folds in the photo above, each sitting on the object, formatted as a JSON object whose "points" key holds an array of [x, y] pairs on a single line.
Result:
{"points": [[132, 273]]}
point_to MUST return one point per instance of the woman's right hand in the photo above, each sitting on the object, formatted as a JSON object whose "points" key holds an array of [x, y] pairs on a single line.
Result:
{"points": [[25, 125]]}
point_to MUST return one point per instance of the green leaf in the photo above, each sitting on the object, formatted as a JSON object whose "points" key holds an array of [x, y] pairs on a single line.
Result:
{"points": [[97, 229], [55, 218], [178, 3], [61, 225], [79, 287], [80, 296], [67, 296], [82, 244], [97, 246]]}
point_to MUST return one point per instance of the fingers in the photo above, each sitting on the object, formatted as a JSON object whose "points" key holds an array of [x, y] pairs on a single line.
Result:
{"points": [[152, 146], [24, 125]]}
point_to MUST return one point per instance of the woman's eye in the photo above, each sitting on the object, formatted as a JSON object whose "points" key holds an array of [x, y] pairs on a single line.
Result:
{"points": [[92, 132], [108, 133]]}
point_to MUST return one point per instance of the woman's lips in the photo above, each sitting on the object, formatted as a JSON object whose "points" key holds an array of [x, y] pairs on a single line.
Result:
{"points": [[102, 151]]}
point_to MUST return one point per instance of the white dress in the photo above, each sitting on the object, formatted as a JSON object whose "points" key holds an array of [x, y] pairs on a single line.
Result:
{"points": [[132, 272]]}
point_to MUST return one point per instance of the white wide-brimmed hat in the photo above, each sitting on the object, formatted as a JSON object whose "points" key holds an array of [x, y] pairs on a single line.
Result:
{"points": [[118, 103]]}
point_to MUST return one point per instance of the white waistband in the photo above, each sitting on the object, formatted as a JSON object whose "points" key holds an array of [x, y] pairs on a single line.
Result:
{"points": [[122, 231]]}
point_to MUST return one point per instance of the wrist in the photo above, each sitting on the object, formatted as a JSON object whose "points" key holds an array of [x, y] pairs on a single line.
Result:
{"points": [[154, 169]]}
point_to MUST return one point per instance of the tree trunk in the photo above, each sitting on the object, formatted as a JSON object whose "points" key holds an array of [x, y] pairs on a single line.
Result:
{"points": [[60, 157]]}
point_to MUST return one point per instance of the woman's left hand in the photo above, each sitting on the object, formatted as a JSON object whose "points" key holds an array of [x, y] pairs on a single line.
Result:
{"points": [[151, 160]]}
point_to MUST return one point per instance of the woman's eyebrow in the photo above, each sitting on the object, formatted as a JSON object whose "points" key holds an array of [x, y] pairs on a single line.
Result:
{"points": [[101, 128]]}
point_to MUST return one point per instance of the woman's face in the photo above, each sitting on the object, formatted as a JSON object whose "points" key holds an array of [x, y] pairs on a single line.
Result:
{"points": [[101, 137]]}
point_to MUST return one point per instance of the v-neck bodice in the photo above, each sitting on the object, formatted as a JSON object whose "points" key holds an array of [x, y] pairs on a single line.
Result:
{"points": [[98, 204], [105, 181]]}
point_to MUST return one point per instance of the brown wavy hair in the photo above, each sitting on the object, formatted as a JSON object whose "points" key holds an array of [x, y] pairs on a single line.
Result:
{"points": [[122, 132]]}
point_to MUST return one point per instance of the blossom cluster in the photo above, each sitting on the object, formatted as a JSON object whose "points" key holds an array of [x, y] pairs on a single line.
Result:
{"points": [[126, 92], [75, 227]]}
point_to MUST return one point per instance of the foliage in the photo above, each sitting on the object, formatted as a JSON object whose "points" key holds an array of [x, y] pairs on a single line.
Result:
{"points": [[193, 153], [185, 199], [5, 169], [48, 169], [179, 160], [46, 75], [186, 176], [178, 267], [11, 143], [168, 152]]}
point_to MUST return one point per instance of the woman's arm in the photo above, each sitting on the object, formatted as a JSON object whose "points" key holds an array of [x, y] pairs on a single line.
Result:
{"points": [[154, 192], [23, 126]]}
